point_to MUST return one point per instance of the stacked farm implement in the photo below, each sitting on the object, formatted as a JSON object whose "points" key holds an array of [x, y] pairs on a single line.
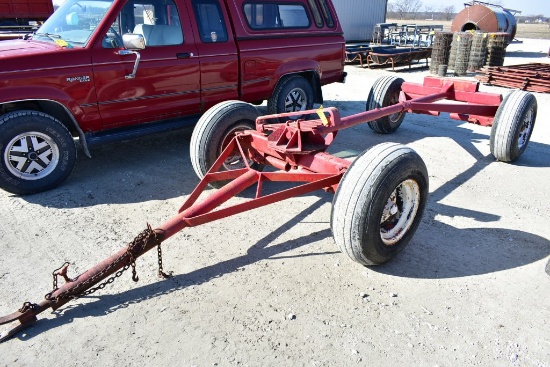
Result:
{"points": [[379, 198], [534, 77]]}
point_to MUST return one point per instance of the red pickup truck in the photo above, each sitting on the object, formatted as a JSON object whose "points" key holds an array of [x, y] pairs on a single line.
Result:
{"points": [[105, 70]]}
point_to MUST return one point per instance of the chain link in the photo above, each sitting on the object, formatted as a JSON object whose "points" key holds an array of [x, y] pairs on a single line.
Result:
{"points": [[137, 245], [57, 273], [161, 272]]}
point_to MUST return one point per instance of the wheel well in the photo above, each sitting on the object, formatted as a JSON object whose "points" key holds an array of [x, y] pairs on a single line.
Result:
{"points": [[313, 78], [53, 109]]}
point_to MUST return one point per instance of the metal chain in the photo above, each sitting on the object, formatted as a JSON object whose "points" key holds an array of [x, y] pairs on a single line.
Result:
{"points": [[140, 240], [55, 274], [161, 272]]}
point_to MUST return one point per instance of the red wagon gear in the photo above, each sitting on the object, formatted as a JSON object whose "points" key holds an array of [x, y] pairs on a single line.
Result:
{"points": [[379, 198]]}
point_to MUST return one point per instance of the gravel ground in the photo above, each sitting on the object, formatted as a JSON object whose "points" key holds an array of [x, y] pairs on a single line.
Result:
{"points": [[258, 289]]}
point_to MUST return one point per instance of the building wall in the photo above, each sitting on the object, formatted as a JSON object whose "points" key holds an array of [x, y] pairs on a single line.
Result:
{"points": [[358, 17]]}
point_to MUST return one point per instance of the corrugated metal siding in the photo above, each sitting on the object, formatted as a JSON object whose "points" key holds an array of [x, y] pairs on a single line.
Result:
{"points": [[358, 17]]}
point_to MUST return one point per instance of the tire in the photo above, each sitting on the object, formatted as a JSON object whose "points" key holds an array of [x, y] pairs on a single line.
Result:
{"points": [[214, 131], [363, 223], [385, 92], [37, 152], [513, 125], [292, 94]]}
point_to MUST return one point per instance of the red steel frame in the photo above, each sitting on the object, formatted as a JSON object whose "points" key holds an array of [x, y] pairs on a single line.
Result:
{"points": [[296, 149]]}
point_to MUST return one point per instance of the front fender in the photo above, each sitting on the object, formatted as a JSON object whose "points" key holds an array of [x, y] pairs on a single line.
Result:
{"points": [[85, 116]]}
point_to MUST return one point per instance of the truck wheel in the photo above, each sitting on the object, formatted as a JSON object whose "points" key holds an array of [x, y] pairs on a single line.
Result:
{"points": [[385, 92], [513, 125], [293, 93], [379, 203], [38, 152], [215, 130]]}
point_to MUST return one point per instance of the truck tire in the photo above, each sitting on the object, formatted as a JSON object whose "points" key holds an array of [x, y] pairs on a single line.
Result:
{"points": [[385, 92], [37, 152], [215, 130], [513, 125], [292, 94], [379, 203]]}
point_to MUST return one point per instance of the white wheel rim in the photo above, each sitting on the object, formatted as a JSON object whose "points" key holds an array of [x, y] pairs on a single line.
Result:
{"points": [[296, 100], [234, 161], [526, 128], [400, 212], [31, 156], [394, 117]]}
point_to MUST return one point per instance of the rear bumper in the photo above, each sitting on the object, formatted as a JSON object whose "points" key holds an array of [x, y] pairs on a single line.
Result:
{"points": [[343, 79]]}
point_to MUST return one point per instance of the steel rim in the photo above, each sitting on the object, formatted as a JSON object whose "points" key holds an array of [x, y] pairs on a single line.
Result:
{"points": [[400, 211], [234, 161], [525, 129], [31, 156], [296, 100], [394, 117]]}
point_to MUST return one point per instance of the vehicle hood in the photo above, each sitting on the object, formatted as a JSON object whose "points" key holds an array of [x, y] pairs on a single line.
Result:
{"points": [[11, 48], [28, 54]]}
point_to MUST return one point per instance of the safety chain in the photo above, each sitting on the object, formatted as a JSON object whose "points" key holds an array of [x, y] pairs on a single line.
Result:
{"points": [[161, 272], [137, 245], [55, 273]]}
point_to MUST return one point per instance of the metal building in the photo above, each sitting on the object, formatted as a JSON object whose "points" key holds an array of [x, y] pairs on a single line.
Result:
{"points": [[358, 17]]}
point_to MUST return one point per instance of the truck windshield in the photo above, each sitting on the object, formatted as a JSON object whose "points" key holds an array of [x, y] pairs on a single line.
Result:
{"points": [[74, 22]]}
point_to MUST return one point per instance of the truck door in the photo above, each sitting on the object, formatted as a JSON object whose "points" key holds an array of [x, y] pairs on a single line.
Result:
{"points": [[167, 81], [217, 48]]}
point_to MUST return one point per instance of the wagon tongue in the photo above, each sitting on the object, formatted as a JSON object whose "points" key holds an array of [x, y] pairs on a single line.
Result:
{"points": [[21, 319], [86, 283]]}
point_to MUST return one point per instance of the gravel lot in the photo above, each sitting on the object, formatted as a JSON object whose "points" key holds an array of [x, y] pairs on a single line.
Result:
{"points": [[258, 289]]}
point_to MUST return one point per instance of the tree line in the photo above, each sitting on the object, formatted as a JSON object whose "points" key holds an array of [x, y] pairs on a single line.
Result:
{"points": [[415, 9]]}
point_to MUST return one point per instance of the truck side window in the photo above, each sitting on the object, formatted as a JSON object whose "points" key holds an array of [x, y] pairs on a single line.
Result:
{"points": [[157, 20], [210, 21], [326, 13], [265, 15], [316, 13]]}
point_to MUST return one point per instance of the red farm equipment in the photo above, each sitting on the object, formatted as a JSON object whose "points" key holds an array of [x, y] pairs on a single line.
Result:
{"points": [[22, 12], [18, 17], [379, 198]]}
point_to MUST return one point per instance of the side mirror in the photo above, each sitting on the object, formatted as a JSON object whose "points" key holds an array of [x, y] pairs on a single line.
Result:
{"points": [[133, 41], [71, 18]]}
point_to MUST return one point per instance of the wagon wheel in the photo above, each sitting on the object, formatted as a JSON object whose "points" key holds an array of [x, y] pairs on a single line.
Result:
{"points": [[385, 92], [379, 203], [513, 125], [214, 132]]}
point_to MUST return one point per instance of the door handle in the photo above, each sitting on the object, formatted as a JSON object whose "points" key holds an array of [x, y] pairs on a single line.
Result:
{"points": [[184, 55], [138, 57]]}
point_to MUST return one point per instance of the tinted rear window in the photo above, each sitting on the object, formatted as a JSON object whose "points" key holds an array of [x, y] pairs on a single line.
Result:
{"points": [[316, 13], [326, 13], [264, 15]]}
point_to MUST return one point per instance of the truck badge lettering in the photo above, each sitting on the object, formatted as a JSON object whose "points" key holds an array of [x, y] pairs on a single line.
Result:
{"points": [[80, 79]]}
